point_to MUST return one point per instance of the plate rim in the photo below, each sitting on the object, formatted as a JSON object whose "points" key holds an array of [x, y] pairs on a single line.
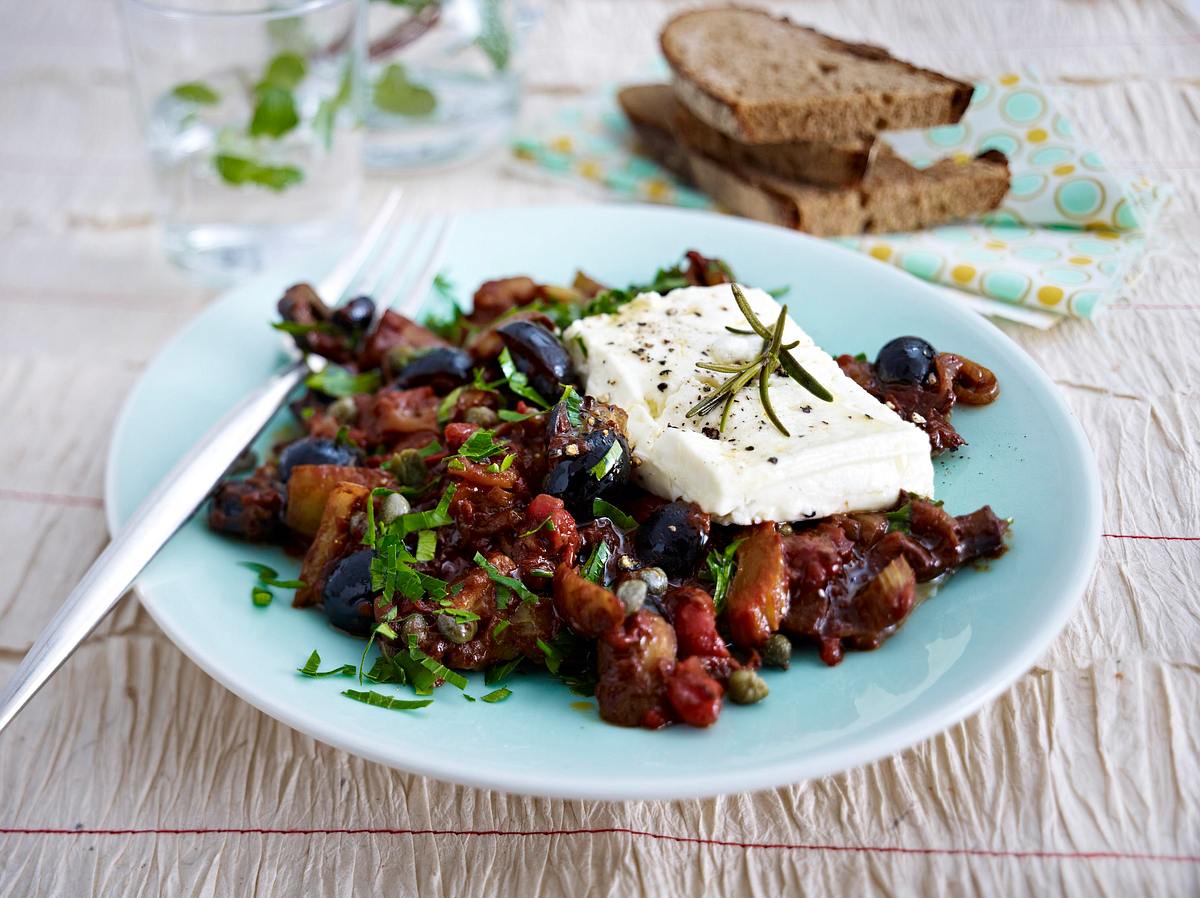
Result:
{"points": [[831, 759]]}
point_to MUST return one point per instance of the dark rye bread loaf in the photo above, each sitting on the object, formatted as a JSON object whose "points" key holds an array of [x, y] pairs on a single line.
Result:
{"points": [[761, 79], [656, 116], [894, 196]]}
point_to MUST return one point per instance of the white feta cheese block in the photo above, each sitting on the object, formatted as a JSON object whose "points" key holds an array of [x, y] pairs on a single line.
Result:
{"points": [[851, 454]]}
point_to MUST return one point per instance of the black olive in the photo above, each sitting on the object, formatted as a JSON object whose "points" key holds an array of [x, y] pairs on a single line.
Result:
{"points": [[314, 451], [572, 477], [539, 355], [672, 539], [348, 596], [355, 315], [442, 368], [905, 360]]}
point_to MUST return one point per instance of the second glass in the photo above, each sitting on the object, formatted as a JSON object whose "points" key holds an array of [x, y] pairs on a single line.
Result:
{"points": [[443, 80]]}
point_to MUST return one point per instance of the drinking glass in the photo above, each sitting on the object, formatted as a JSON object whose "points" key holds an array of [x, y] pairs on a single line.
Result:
{"points": [[250, 109], [444, 83]]}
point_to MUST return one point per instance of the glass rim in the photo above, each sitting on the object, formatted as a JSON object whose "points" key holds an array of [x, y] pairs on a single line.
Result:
{"points": [[162, 8]]}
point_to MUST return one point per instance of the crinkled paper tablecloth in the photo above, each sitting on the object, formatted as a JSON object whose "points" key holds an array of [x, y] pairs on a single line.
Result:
{"points": [[134, 773]]}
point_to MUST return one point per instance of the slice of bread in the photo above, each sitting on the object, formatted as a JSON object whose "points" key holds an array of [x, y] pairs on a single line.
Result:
{"points": [[838, 164], [761, 79], [650, 109], [656, 115], [893, 196]]}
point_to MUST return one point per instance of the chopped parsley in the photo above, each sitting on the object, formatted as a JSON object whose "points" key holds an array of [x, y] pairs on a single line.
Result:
{"points": [[310, 668], [574, 403], [602, 509], [900, 519], [611, 459], [378, 700], [435, 667], [518, 382], [498, 673], [505, 586], [496, 695], [593, 568], [481, 445], [426, 545], [260, 593], [337, 382], [511, 416], [721, 566]]}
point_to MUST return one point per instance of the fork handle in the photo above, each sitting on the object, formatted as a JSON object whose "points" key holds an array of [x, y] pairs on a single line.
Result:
{"points": [[154, 522]]}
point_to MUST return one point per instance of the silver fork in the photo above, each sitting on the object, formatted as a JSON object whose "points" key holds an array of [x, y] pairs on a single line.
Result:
{"points": [[392, 260]]}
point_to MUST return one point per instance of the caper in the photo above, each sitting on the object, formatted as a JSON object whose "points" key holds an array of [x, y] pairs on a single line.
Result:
{"points": [[414, 625], [408, 467], [344, 410], [778, 652], [399, 356], [632, 594], [457, 631], [746, 687], [655, 579], [394, 505], [481, 415]]}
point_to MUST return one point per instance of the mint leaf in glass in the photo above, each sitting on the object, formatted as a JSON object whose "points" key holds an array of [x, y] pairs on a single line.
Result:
{"points": [[493, 39], [285, 71], [196, 92], [238, 170], [395, 93], [274, 112]]}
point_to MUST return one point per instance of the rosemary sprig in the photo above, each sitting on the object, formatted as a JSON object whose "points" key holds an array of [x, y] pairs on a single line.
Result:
{"points": [[775, 355]]}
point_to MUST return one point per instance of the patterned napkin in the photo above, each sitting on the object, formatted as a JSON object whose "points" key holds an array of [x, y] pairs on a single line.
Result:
{"points": [[1063, 242]]}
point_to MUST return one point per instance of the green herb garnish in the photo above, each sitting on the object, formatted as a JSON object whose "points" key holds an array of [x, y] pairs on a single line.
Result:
{"points": [[314, 661], [481, 445], [518, 382], [900, 519], [721, 566], [260, 594], [337, 382], [497, 695], [379, 700], [593, 568], [602, 509], [546, 524], [498, 673], [774, 355], [435, 667], [611, 459], [426, 545], [505, 586]]}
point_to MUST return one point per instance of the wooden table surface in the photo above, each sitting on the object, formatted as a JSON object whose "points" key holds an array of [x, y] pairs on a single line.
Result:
{"points": [[134, 773]]}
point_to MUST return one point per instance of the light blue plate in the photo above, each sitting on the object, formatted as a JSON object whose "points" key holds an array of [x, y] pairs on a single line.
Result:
{"points": [[1027, 457]]}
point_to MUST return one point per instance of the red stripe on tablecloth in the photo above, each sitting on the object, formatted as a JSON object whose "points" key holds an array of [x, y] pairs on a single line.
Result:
{"points": [[1183, 539], [609, 830], [40, 498]]}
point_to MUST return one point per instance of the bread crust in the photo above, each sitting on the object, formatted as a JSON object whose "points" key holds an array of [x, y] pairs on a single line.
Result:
{"points": [[820, 117]]}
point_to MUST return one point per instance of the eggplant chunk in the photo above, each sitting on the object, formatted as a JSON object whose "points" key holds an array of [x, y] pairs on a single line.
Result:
{"points": [[758, 595], [588, 608], [309, 488], [635, 663], [335, 537]]}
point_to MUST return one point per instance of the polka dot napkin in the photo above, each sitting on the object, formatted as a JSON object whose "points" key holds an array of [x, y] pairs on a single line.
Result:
{"points": [[1062, 243], [1067, 234]]}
